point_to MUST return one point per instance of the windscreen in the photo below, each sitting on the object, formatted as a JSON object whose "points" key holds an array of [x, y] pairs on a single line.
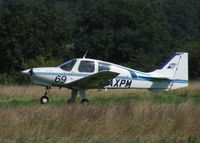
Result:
{"points": [[67, 66]]}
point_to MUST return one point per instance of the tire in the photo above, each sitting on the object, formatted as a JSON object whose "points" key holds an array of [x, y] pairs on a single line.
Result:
{"points": [[44, 100], [85, 102]]}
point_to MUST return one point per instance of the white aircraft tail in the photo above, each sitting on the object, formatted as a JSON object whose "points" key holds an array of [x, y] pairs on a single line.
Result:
{"points": [[175, 69]]}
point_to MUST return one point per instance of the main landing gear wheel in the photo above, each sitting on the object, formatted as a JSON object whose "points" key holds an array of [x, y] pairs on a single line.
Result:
{"points": [[44, 100], [74, 92], [85, 102]]}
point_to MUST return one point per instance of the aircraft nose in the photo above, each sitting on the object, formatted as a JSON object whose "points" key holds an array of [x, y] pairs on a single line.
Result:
{"points": [[26, 71]]}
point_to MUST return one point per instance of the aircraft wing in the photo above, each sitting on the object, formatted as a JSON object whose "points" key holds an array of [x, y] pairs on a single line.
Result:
{"points": [[97, 80]]}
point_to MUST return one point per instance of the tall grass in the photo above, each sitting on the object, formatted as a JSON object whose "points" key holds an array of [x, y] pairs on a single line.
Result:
{"points": [[139, 122], [141, 116]]}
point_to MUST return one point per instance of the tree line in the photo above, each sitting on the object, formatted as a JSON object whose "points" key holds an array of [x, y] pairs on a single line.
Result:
{"points": [[139, 34]]}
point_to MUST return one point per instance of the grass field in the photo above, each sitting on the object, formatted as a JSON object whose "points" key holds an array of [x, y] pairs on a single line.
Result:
{"points": [[116, 116]]}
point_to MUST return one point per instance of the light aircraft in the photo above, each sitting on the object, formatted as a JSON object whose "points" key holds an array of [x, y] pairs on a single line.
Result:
{"points": [[81, 74]]}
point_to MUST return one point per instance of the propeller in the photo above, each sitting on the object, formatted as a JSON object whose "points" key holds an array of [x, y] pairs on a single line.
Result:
{"points": [[31, 72]]}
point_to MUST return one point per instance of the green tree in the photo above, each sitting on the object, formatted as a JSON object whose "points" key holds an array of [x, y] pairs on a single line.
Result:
{"points": [[194, 55], [12, 30], [29, 30], [118, 30], [183, 19]]}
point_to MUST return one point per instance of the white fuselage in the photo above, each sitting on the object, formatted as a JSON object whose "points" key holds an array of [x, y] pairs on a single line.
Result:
{"points": [[127, 78]]}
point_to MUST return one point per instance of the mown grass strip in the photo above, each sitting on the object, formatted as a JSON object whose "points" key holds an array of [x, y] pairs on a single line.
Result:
{"points": [[103, 100]]}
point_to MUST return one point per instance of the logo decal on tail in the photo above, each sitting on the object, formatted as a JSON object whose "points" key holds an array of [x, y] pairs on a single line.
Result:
{"points": [[171, 66]]}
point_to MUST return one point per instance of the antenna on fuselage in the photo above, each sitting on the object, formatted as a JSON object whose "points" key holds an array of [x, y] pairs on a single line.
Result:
{"points": [[85, 54]]}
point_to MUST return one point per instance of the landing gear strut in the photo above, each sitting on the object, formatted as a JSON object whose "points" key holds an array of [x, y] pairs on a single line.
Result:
{"points": [[74, 92], [84, 100], [72, 100], [44, 99]]}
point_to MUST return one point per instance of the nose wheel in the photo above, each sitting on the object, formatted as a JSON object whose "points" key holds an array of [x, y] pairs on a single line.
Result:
{"points": [[44, 99]]}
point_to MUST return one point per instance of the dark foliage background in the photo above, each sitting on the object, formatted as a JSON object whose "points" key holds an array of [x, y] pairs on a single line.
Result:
{"points": [[139, 34]]}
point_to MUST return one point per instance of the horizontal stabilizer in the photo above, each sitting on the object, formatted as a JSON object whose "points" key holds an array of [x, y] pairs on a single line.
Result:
{"points": [[155, 77], [174, 71]]}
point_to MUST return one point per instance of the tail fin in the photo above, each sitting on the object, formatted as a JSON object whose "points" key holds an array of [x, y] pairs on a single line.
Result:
{"points": [[176, 67]]}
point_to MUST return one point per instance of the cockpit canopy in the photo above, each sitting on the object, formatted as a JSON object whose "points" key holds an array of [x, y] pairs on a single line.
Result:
{"points": [[85, 65], [103, 66]]}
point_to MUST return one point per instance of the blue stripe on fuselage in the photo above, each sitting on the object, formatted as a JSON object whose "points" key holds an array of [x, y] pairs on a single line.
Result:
{"points": [[66, 74], [118, 77]]}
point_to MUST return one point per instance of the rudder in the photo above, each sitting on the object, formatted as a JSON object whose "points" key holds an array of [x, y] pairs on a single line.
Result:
{"points": [[176, 69]]}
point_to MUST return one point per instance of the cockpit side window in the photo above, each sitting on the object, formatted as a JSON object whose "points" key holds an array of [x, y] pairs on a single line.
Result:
{"points": [[86, 66], [104, 66], [68, 65]]}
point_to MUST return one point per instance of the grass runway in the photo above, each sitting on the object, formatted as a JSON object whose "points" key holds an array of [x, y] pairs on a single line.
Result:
{"points": [[115, 116]]}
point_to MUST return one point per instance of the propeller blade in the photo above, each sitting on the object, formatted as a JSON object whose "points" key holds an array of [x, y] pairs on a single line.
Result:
{"points": [[31, 72]]}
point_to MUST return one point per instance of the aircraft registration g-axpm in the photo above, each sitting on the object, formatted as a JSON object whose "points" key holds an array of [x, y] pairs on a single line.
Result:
{"points": [[82, 73]]}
